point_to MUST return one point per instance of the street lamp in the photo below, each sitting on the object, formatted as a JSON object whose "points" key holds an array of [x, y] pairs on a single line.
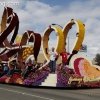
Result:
{"points": [[68, 44], [57, 24], [62, 28]]}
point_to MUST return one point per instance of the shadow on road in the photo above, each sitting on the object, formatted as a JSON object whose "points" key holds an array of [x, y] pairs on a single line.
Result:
{"points": [[46, 87]]}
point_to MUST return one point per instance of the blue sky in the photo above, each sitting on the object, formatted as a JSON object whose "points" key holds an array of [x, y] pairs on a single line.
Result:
{"points": [[37, 15], [60, 2], [57, 2]]}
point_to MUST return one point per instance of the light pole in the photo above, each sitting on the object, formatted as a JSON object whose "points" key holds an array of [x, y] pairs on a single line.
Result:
{"points": [[68, 44], [57, 24], [67, 37]]}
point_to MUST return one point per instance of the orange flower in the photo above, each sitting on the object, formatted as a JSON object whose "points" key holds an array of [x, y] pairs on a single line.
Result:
{"points": [[91, 70]]}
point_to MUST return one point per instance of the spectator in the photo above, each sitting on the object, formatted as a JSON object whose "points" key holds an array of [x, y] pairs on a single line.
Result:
{"points": [[64, 55]]}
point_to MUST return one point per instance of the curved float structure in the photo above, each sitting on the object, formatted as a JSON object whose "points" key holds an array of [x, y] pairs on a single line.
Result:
{"points": [[79, 35], [60, 40], [10, 49], [10, 18]]}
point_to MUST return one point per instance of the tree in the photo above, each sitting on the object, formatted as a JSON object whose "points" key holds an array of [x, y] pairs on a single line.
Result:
{"points": [[97, 59]]}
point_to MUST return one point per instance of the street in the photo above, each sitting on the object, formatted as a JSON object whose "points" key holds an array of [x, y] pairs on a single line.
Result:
{"points": [[13, 92]]}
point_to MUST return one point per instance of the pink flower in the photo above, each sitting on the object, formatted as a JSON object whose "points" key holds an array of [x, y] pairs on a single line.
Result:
{"points": [[81, 68]]}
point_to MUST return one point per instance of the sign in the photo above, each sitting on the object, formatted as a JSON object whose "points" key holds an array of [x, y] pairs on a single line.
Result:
{"points": [[83, 48]]}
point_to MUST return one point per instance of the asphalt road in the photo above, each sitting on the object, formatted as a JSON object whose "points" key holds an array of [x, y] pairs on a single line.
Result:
{"points": [[9, 92]]}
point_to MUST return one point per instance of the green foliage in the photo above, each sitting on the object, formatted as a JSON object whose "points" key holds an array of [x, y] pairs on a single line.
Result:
{"points": [[97, 58]]}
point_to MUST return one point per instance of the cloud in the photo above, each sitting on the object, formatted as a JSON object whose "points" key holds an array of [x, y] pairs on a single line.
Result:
{"points": [[37, 16]]}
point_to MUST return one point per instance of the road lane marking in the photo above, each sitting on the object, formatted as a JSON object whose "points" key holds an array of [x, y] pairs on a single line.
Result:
{"points": [[26, 94]]}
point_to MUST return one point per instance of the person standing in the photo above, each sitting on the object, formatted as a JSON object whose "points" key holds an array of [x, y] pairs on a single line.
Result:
{"points": [[64, 55], [53, 56]]}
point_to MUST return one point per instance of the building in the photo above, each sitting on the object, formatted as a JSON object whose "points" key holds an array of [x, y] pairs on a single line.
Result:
{"points": [[41, 59]]}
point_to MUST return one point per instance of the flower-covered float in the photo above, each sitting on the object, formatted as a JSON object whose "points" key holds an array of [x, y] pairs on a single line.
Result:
{"points": [[78, 73]]}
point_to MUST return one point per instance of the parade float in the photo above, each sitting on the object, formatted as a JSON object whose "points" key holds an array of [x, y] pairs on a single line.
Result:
{"points": [[78, 73]]}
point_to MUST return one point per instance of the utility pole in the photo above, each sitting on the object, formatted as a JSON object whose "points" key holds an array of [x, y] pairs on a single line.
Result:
{"points": [[68, 44]]}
